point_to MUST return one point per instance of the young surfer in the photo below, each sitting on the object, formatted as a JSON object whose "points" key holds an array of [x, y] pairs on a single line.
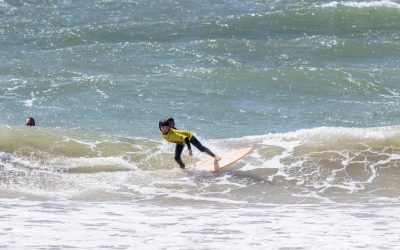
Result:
{"points": [[181, 137]]}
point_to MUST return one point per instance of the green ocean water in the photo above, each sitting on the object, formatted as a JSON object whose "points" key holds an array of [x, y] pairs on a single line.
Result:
{"points": [[312, 86], [222, 68]]}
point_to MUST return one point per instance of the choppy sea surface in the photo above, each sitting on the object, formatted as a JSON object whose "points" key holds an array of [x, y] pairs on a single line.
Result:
{"points": [[312, 86]]}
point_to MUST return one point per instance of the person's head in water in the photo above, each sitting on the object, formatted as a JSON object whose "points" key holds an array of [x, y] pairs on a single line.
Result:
{"points": [[30, 121], [164, 125]]}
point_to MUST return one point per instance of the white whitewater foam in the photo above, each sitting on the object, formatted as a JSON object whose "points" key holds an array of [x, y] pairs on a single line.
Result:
{"points": [[372, 4], [84, 225], [29, 102]]}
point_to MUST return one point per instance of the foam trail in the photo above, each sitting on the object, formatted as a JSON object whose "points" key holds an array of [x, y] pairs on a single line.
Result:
{"points": [[360, 5]]}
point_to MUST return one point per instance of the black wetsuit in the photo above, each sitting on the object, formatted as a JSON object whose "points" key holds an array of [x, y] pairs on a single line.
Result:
{"points": [[196, 143]]}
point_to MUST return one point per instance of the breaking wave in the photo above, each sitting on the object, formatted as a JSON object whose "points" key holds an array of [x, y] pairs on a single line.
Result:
{"points": [[326, 163]]}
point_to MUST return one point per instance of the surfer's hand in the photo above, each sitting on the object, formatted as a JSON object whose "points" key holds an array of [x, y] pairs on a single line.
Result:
{"points": [[190, 152]]}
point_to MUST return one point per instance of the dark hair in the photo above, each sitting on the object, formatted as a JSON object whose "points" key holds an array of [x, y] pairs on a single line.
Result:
{"points": [[171, 122], [30, 121], [163, 122]]}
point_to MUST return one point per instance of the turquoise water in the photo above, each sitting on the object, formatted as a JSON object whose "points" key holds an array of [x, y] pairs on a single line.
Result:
{"points": [[312, 86], [222, 68]]}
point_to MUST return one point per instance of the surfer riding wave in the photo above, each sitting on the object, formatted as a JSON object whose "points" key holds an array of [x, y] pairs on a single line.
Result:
{"points": [[182, 137]]}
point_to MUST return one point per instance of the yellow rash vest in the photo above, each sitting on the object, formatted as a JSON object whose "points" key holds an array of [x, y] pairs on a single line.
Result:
{"points": [[177, 136]]}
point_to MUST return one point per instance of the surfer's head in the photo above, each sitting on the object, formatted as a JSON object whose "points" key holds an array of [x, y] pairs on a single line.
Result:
{"points": [[164, 125], [30, 121]]}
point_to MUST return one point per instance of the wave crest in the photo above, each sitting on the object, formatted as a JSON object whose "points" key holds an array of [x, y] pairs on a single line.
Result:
{"points": [[372, 4]]}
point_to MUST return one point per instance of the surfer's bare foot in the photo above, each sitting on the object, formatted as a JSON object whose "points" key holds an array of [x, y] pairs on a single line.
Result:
{"points": [[217, 158]]}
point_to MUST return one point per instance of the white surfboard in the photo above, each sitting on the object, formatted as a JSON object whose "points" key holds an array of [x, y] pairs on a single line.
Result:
{"points": [[227, 160]]}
